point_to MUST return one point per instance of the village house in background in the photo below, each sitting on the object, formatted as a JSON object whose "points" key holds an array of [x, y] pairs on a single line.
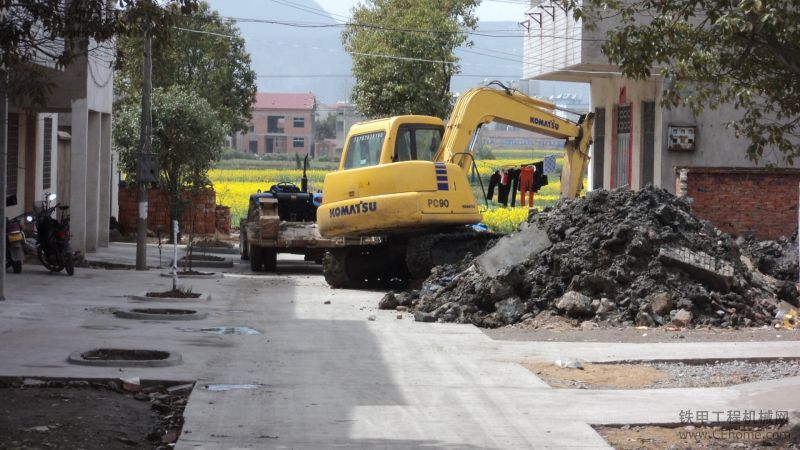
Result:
{"points": [[64, 146], [346, 116], [636, 141], [282, 123]]}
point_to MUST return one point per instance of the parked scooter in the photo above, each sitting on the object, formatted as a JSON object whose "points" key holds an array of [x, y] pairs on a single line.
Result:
{"points": [[14, 239], [53, 246]]}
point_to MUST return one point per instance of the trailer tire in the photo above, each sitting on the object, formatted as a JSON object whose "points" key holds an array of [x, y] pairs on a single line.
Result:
{"points": [[270, 258], [244, 247], [256, 260]]}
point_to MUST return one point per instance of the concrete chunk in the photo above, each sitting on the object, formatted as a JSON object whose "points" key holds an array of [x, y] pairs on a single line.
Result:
{"points": [[513, 249], [712, 272]]}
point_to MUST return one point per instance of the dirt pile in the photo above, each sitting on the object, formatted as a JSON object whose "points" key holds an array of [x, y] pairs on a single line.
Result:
{"points": [[776, 258], [613, 258]]}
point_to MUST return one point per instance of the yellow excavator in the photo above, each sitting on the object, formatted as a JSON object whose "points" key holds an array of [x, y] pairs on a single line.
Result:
{"points": [[401, 201]]}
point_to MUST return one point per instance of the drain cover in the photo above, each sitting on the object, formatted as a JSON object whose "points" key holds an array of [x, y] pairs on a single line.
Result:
{"points": [[125, 357], [159, 314], [224, 330]]}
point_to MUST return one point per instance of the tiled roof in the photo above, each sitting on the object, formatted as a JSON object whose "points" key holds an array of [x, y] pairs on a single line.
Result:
{"points": [[284, 100]]}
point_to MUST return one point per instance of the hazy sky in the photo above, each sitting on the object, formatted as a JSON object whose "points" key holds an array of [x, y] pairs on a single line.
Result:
{"points": [[489, 10]]}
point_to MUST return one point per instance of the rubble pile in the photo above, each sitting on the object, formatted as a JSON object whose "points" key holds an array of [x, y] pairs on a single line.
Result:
{"points": [[777, 258], [616, 258]]}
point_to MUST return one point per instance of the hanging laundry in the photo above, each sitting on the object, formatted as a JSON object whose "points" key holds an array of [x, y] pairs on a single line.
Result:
{"points": [[526, 185], [513, 175], [503, 188], [494, 181]]}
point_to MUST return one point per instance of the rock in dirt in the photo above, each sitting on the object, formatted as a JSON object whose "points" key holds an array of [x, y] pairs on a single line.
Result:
{"points": [[389, 301], [575, 304], [682, 318], [642, 253], [661, 303]]}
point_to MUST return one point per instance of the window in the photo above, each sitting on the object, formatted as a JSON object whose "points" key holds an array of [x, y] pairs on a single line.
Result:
{"points": [[275, 124], [417, 143], [622, 157], [299, 122], [252, 128], [364, 150], [254, 147], [48, 153], [12, 160], [298, 142]]}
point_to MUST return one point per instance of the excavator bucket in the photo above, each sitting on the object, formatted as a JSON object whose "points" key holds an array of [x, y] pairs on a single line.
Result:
{"points": [[576, 159]]}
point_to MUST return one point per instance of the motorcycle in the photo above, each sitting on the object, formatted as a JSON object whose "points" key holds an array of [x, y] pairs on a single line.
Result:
{"points": [[14, 239], [53, 247]]}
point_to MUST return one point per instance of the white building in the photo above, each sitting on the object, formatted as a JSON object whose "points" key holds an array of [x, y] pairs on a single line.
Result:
{"points": [[64, 146], [636, 141]]}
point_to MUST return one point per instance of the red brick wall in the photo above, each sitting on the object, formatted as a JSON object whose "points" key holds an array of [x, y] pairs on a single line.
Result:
{"points": [[223, 219], [204, 212], [759, 201]]}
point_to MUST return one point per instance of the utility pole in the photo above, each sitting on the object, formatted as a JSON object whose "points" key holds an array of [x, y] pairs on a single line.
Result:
{"points": [[146, 147], [3, 155]]}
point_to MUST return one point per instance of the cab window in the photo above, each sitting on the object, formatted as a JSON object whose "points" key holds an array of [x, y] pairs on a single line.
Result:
{"points": [[364, 150], [417, 143]]}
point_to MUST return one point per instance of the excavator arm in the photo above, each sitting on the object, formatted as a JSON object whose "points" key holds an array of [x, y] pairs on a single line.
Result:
{"points": [[484, 105]]}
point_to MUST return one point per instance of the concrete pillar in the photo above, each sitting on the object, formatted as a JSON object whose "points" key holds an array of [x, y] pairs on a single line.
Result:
{"points": [[105, 190], [93, 181], [77, 174]]}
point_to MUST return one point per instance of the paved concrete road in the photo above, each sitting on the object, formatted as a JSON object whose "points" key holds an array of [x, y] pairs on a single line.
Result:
{"points": [[327, 377]]}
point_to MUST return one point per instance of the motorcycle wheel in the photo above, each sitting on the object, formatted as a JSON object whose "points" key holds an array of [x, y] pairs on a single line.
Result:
{"points": [[46, 261], [69, 264], [16, 266]]}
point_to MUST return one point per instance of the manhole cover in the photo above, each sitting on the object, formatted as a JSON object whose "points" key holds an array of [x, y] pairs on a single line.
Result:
{"points": [[223, 330], [159, 314], [125, 357]]}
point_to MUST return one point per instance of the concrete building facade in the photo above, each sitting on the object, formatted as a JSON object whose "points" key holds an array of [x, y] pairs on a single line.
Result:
{"points": [[636, 141], [64, 147], [282, 123]]}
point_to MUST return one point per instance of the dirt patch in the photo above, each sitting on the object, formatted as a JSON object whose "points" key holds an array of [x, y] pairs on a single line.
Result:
{"points": [[89, 414], [164, 311], [115, 354], [598, 376], [173, 293], [193, 272], [691, 437], [212, 243], [663, 374], [203, 258], [561, 333]]}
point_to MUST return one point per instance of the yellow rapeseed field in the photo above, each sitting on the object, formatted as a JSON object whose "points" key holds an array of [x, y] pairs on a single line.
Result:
{"points": [[234, 186]]}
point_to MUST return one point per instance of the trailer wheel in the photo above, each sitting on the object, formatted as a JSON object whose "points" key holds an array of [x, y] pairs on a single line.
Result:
{"points": [[244, 247], [270, 258], [256, 259]]}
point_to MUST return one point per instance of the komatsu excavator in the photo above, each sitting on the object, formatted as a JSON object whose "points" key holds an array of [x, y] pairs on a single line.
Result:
{"points": [[401, 201]]}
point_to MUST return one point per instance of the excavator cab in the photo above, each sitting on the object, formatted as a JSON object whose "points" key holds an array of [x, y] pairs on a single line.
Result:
{"points": [[388, 181]]}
